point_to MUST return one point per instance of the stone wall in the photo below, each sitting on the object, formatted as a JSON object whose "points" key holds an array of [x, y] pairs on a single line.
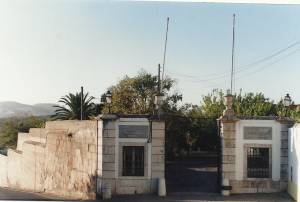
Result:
{"points": [[228, 149], [158, 153], [110, 162], [71, 158], [107, 166], [77, 159], [59, 159], [3, 170], [284, 151], [14, 168], [293, 161], [243, 132], [272, 134]]}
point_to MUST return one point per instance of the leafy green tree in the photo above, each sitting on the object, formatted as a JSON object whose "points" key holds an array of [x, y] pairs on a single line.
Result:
{"points": [[251, 104], [135, 95], [71, 108], [295, 114], [212, 106], [248, 104], [11, 127]]}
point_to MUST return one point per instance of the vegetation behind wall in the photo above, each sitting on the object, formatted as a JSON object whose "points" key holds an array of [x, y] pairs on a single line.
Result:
{"points": [[10, 127]]}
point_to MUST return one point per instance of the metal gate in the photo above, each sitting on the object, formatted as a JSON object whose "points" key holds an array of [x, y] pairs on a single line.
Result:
{"points": [[197, 167]]}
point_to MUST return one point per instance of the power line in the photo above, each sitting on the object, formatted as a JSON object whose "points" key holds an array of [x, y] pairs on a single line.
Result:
{"points": [[241, 68], [272, 63], [257, 70], [271, 56]]}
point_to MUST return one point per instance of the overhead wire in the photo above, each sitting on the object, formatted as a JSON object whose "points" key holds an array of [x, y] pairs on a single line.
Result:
{"points": [[239, 69], [272, 63], [257, 70]]}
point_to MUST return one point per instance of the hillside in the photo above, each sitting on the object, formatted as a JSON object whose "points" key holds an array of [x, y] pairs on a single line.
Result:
{"points": [[15, 109]]}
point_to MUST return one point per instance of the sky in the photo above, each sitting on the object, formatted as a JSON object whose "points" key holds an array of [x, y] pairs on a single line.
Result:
{"points": [[50, 48]]}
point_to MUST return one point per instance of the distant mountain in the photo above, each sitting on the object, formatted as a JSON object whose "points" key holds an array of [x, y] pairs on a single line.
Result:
{"points": [[15, 109]]}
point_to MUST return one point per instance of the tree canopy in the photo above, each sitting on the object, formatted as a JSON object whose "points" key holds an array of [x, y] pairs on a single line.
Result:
{"points": [[247, 104], [10, 128], [71, 107], [135, 95]]}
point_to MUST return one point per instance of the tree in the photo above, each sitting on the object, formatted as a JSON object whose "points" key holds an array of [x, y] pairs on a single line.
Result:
{"points": [[135, 95], [11, 127], [251, 104], [295, 114], [71, 108], [248, 104]]}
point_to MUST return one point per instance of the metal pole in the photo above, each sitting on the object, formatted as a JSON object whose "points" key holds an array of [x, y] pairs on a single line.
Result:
{"points": [[158, 80], [232, 53], [158, 92], [165, 50], [81, 104]]}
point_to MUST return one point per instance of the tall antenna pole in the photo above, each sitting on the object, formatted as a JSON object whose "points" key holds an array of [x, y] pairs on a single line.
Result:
{"points": [[232, 54], [165, 50], [81, 103], [158, 80]]}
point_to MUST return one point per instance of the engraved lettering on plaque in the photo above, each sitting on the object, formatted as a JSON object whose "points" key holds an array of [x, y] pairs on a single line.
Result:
{"points": [[133, 131], [258, 133]]}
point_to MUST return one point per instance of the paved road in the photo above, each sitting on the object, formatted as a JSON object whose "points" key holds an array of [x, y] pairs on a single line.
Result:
{"points": [[9, 194], [281, 197], [195, 173]]}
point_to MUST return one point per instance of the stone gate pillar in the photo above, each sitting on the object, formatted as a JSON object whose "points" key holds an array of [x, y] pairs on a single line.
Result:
{"points": [[228, 136]]}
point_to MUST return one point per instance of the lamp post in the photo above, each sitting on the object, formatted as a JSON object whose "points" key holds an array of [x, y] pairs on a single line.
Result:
{"points": [[108, 97], [287, 102]]}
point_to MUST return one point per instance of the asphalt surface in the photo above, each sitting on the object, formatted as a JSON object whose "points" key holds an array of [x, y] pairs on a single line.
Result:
{"points": [[192, 175], [16, 195], [184, 197], [10, 194]]}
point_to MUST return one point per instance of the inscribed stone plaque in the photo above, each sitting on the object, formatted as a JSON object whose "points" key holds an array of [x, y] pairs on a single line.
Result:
{"points": [[133, 131], [258, 133]]}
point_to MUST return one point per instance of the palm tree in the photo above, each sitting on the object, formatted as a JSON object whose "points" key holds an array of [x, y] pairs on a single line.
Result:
{"points": [[71, 108]]}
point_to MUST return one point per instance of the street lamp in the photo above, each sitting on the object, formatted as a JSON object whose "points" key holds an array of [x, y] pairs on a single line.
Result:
{"points": [[287, 102], [108, 98]]}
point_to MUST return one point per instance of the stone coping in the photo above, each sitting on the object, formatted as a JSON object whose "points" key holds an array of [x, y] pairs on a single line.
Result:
{"points": [[275, 118], [115, 116]]}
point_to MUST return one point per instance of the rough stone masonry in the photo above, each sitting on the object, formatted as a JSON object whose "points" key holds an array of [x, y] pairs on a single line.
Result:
{"points": [[74, 159]]}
